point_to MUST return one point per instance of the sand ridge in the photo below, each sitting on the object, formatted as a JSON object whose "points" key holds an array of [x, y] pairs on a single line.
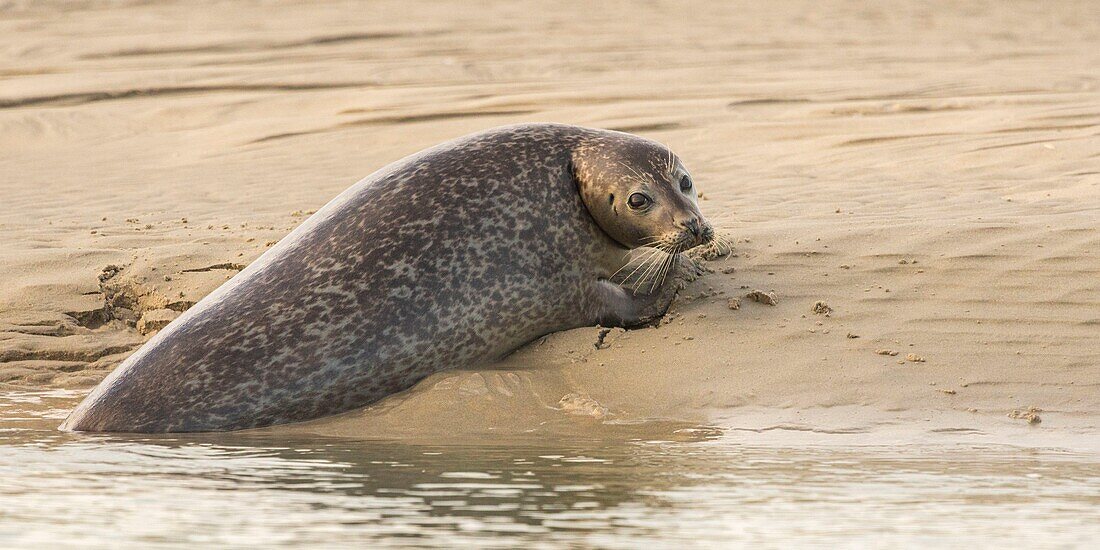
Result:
{"points": [[929, 172]]}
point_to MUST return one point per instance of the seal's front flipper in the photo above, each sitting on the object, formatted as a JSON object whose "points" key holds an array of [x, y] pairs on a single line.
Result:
{"points": [[622, 307]]}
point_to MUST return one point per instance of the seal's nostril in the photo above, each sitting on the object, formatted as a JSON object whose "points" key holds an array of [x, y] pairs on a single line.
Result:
{"points": [[693, 226]]}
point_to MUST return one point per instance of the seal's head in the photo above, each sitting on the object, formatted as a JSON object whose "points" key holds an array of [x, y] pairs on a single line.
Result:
{"points": [[640, 194]]}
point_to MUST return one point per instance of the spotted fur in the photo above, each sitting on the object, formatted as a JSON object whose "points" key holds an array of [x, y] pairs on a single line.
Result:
{"points": [[451, 257]]}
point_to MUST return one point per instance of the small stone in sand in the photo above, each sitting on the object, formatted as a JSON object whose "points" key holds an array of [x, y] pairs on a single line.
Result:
{"points": [[889, 352], [728, 269], [821, 308], [734, 303], [948, 392], [850, 335], [759, 296], [914, 358]]}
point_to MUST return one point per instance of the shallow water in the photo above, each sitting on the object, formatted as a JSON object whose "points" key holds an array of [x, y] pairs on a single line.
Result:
{"points": [[272, 491]]}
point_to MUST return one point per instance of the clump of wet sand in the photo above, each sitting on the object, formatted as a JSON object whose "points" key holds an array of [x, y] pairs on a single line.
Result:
{"points": [[1031, 415], [762, 297], [578, 404]]}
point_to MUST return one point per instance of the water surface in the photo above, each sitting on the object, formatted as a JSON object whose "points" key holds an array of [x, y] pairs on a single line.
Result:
{"points": [[699, 490]]}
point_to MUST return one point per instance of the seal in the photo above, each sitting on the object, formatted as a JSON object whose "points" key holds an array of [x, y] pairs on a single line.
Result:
{"points": [[451, 257]]}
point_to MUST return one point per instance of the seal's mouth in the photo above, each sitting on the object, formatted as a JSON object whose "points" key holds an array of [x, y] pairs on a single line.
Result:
{"points": [[706, 236], [682, 241], [713, 244], [695, 236]]}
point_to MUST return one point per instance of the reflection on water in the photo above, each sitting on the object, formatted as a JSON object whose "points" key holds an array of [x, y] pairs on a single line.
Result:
{"points": [[269, 491]]}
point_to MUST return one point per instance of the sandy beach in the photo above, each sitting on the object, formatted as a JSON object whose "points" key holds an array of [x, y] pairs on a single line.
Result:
{"points": [[930, 174]]}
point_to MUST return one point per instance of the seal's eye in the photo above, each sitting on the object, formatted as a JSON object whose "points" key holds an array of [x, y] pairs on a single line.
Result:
{"points": [[685, 184], [638, 201]]}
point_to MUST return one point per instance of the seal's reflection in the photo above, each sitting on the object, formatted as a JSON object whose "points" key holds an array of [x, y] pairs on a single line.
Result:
{"points": [[519, 487]]}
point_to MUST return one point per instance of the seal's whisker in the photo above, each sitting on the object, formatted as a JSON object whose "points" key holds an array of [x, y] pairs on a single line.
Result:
{"points": [[672, 258], [650, 262], [655, 269], [641, 177], [658, 275], [652, 240], [652, 269], [725, 241], [644, 277], [652, 254], [626, 265], [662, 244], [617, 271], [721, 244], [657, 278], [729, 242]]}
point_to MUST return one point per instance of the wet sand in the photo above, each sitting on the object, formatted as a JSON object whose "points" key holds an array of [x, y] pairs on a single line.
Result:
{"points": [[930, 173]]}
